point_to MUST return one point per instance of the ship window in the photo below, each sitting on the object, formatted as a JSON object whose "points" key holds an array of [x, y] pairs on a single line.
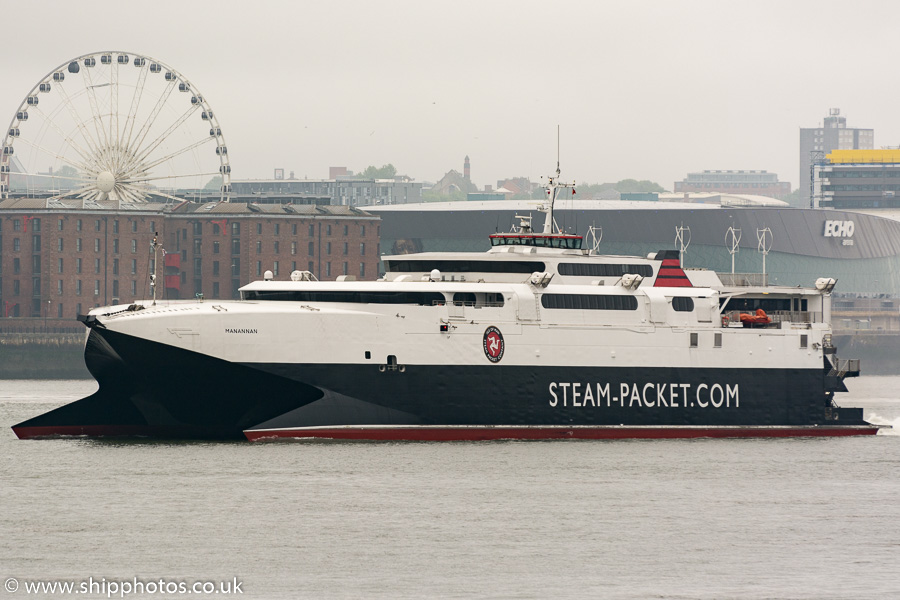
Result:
{"points": [[804, 341], [683, 304], [493, 300], [589, 302], [355, 297], [695, 340], [603, 270], [479, 300], [464, 266], [464, 299], [717, 340], [368, 355]]}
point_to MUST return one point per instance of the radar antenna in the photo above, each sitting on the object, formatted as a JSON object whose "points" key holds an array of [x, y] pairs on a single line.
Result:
{"points": [[524, 225]]}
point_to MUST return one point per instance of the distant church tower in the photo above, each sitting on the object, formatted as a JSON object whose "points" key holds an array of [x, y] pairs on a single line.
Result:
{"points": [[466, 172]]}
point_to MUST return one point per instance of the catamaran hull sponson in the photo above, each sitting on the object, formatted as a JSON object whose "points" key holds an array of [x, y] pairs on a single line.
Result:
{"points": [[178, 393], [156, 390]]}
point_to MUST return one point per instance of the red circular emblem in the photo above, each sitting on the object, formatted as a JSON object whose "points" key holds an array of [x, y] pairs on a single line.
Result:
{"points": [[493, 344]]}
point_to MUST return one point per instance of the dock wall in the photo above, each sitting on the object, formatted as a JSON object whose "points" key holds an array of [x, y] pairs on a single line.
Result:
{"points": [[39, 349]]}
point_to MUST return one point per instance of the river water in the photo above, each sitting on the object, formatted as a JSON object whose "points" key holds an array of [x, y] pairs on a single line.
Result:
{"points": [[780, 518]]}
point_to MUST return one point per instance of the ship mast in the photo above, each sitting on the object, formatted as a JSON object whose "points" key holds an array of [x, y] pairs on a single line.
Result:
{"points": [[553, 187]]}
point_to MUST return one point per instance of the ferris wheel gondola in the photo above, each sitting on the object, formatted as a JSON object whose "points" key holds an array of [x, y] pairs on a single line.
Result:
{"points": [[107, 126]]}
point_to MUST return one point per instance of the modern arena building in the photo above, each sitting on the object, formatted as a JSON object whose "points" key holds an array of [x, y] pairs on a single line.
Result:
{"points": [[861, 251]]}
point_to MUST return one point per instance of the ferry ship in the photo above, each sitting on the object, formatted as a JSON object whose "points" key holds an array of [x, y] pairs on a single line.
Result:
{"points": [[538, 338]]}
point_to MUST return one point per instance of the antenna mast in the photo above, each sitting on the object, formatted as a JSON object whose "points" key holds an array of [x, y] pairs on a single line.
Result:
{"points": [[553, 187]]}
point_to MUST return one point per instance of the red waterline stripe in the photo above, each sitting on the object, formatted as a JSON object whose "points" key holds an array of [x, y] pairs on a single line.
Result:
{"points": [[27, 433], [425, 433]]}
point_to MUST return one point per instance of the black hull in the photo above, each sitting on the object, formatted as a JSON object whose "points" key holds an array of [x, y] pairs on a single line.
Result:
{"points": [[172, 393], [181, 394]]}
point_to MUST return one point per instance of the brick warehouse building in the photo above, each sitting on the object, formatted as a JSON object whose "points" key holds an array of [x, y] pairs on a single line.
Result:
{"points": [[59, 259]]}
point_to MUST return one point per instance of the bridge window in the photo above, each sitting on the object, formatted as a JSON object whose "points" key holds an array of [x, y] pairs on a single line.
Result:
{"points": [[542, 241]]}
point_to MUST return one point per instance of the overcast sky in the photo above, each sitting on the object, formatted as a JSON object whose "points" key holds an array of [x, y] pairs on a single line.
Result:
{"points": [[644, 90]]}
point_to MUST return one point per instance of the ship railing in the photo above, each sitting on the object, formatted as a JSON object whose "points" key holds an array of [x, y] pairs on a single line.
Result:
{"points": [[744, 279], [468, 303], [796, 316], [842, 367], [776, 318]]}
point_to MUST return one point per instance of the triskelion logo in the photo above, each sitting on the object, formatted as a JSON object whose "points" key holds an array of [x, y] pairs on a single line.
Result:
{"points": [[493, 344]]}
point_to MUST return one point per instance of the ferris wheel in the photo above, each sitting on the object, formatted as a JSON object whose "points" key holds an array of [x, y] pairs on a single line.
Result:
{"points": [[114, 126]]}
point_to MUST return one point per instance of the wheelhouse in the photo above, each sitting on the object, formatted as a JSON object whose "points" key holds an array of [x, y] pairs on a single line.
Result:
{"points": [[567, 242]]}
